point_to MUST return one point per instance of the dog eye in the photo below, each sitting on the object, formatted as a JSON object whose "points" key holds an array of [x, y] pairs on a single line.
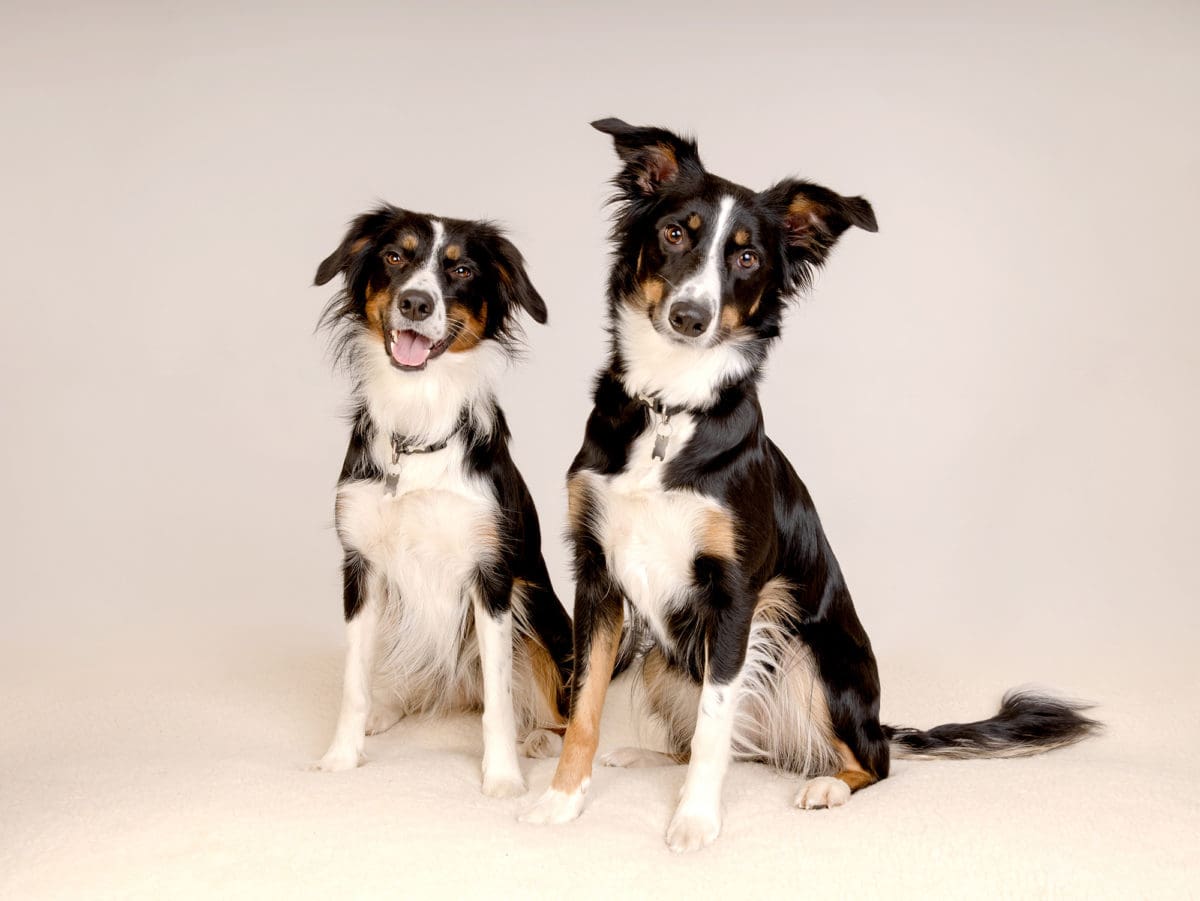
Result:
{"points": [[748, 260], [392, 258], [461, 272], [673, 234]]}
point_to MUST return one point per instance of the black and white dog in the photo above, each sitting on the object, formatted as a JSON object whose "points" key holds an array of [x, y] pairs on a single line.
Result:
{"points": [[447, 600], [682, 509]]}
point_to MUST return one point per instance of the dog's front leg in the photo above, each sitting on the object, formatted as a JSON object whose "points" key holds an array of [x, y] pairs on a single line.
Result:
{"points": [[599, 614], [494, 629], [363, 596], [697, 819]]}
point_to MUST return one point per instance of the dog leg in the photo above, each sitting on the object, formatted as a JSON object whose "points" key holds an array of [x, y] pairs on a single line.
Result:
{"points": [[599, 613], [501, 772], [697, 819], [364, 595]]}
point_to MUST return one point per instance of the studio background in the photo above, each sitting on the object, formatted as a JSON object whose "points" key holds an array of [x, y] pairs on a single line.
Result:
{"points": [[993, 401]]}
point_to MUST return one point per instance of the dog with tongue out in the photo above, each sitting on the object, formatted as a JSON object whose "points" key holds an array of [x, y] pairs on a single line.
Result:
{"points": [[446, 596]]}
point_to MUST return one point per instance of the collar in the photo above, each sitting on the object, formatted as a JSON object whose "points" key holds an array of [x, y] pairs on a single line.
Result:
{"points": [[403, 446], [654, 402]]}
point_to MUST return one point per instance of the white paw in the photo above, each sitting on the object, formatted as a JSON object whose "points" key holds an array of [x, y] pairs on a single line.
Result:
{"points": [[555, 807], [633, 758], [824, 791], [338, 760], [542, 743], [503, 785], [691, 830], [382, 718]]}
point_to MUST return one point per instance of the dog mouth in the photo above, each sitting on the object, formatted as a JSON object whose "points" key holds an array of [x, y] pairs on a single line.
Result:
{"points": [[411, 351]]}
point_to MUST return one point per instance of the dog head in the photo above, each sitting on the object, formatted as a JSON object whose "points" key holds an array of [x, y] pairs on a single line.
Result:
{"points": [[704, 267], [423, 286]]}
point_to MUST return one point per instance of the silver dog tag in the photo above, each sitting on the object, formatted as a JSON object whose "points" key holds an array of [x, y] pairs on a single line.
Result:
{"points": [[662, 437]]}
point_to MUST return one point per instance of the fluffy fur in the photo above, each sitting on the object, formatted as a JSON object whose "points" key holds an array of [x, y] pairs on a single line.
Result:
{"points": [[446, 596], [694, 537]]}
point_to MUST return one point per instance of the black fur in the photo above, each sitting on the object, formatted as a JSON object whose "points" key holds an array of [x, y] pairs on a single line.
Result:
{"points": [[498, 287], [789, 231]]}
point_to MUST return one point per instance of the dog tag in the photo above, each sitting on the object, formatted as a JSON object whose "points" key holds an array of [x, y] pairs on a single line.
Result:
{"points": [[662, 437]]}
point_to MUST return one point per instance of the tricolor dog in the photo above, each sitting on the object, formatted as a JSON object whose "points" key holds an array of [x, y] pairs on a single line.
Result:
{"points": [[447, 601], [694, 535]]}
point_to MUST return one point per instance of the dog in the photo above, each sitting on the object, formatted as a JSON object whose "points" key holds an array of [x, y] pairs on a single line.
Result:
{"points": [[447, 601], [684, 513]]}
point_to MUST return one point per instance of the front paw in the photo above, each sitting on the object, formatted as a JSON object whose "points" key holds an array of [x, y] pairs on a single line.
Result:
{"points": [[691, 830], [502, 784], [555, 807], [338, 760]]}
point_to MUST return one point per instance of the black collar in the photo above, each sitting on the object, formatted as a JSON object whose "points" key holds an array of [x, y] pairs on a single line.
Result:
{"points": [[404, 446], [657, 406]]}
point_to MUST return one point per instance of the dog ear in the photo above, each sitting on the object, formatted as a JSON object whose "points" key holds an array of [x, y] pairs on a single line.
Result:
{"points": [[362, 233], [516, 290], [815, 217], [653, 157]]}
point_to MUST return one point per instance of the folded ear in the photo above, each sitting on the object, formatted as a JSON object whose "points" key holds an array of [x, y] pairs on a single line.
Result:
{"points": [[815, 217], [653, 157], [516, 289], [362, 233]]}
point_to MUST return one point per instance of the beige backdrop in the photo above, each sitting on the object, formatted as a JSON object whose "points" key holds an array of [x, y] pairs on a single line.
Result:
{"points": [[993, 399]]}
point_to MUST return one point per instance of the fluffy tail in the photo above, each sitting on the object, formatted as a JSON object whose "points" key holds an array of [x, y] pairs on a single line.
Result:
{"points": [[1028, 723]]}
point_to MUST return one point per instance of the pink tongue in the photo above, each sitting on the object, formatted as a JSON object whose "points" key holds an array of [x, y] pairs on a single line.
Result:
{"points": [[411, 349]]}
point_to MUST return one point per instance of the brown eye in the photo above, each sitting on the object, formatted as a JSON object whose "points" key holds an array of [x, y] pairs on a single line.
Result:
{"points": [[461, 272], [392, 258], [673, 234], [748, 260]]}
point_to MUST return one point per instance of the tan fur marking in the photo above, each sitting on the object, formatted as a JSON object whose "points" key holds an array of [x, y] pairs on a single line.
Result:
{"points": [[358, 245], [694, 221], [754, 306], [377, 303], [730, 318], [583, 730], [578, 497], [453, 252], [546, 678], [741, 237], [652, 290], [852, 772], [469, 326], [719, 538], [408, 241]]}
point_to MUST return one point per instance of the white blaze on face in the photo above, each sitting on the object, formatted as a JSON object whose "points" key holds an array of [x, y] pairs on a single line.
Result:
{"points": [[704, 286], [411, 340]]}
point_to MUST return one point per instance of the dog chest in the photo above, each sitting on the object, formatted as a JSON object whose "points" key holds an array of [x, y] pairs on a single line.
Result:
{"points": [[430, 531], [650, 535]]}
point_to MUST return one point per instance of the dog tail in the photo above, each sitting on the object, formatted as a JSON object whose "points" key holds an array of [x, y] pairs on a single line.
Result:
{"points": [[1028, 723]]}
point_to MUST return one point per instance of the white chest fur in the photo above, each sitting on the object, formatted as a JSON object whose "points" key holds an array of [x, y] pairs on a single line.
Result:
{"points": [[651, 535], [426, 538]]}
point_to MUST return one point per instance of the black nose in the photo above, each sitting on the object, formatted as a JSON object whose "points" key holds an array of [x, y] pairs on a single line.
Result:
{"points": [[689, 319], [416, 305]]}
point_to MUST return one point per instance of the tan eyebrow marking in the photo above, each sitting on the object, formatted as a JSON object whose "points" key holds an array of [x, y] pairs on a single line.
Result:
{"points": [[409, 241], [694, 221], [741, 237], [453, 252]]}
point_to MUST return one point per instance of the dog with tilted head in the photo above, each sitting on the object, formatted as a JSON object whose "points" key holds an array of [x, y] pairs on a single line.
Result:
{"points": [[447, 601], [694, 540]]}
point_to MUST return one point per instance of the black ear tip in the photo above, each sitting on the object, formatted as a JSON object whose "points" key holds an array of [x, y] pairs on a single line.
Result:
{"points": [[612, 126], [864, 215]]}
